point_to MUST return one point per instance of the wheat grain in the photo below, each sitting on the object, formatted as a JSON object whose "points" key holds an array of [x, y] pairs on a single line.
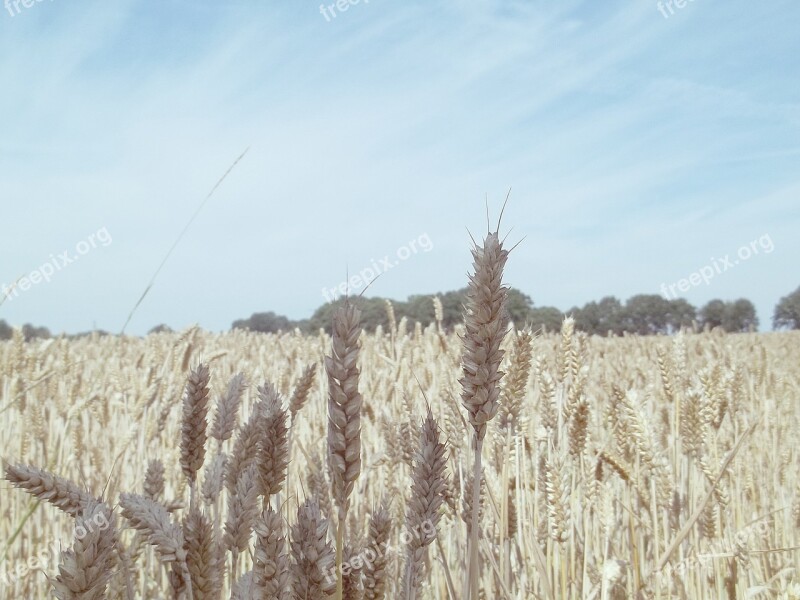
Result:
{"points": [[227, 412], [271, 563], [193, 429], [428, 485], [313, 558], [56, 490]]}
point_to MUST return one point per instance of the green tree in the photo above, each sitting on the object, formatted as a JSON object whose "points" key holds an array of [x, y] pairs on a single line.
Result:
{"points": [[5, 330], [453, 307], [681, 314], [267, 322], [787, 312], [546, 318], [740, 316], [712, 314], [733, 317], [518, 307], [31, 332], [373, 313], [646, 314], [600, 318], [417, 309]]}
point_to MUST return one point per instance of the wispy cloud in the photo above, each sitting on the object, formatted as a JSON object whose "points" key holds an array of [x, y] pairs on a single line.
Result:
{"points": [[633, 143]]}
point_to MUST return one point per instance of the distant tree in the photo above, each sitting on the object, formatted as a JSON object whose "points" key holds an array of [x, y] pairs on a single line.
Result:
{"points": [[787, 312], [162, 329], [681, 314], [373, 313], [733, 317], [29, 332], [323, 317], [600, 318], [518, 307], [453, 307], [546, 317], [712, 314], [646, 314], [267, 322], [740, 316], [417, 309], [5, 330], [85, 334]]}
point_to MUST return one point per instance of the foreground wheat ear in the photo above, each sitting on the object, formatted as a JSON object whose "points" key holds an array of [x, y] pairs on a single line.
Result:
{"points": [[344, 419], [485, 323]]}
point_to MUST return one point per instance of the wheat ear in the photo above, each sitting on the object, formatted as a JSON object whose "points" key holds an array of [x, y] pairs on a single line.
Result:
{"points": [[154, 480], [273, 445], [270, 561], [313, 561], [428, 485], [194, 424], [242, 513], [378, 536], [516, 382], [227, 411], [344, 418], [87, 567], [56, 490], [153, 520], [202, 556], [302, 390], [485, 322]]}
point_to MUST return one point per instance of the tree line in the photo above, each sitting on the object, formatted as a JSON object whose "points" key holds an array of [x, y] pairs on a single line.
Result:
{"points": [[643, 314]]}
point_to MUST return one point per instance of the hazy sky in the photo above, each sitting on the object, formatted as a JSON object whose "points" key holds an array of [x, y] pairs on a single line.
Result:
{"points": [[639, 148]]}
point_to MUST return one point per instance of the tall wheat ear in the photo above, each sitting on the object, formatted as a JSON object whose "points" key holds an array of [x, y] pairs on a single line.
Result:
{"points": [[344, 419], [485, 322]]}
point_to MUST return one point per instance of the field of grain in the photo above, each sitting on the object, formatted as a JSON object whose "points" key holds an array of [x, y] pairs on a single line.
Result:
{"points": [[598, 469]]}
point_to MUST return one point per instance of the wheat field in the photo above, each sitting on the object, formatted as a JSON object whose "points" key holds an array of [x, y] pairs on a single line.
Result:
{"points": [[243, 465]]}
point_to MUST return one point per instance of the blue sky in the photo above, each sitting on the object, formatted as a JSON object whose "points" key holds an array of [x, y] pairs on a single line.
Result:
{"points": [[638, 148]]}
